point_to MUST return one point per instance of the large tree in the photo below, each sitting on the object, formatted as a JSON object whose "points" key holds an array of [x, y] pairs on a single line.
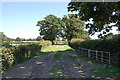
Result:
{"points": [[49, 27], [73, 27], [101, 13]]}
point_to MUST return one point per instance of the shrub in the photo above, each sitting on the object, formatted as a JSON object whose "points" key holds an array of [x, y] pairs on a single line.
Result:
{"points": [[17, 54], [6, 44], [76, 42], [111, 45]]}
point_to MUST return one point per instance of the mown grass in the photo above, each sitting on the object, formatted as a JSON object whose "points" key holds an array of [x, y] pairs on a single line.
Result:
{"points": [[56, 48], [108, 71]]}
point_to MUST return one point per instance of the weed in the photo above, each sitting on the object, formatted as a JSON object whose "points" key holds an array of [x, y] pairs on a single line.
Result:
{"points": [[57, 56], [56, 72], [72, 57]]}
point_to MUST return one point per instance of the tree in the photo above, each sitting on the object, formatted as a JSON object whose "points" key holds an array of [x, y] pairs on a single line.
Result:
{"points": [[84, 35], [18, 39], [4, 37], [38, 38], [101, 13], [49, 27], [73, 27], [108, 36]]}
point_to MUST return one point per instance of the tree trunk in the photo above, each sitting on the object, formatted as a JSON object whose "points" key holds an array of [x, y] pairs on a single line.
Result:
{"points": [[52, 42], [69, 40]]}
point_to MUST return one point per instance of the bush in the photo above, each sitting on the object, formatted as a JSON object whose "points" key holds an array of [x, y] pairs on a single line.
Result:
{"points": [[6, 44], [17, 54], [76, 42], [111, 45], [44, 43]]}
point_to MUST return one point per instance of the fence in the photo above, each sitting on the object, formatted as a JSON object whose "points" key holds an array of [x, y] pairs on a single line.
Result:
{"points": [[101, 56]]}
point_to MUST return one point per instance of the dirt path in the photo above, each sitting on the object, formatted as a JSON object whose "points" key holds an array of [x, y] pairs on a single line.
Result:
{"points": [[36, 67], [70, 65]]}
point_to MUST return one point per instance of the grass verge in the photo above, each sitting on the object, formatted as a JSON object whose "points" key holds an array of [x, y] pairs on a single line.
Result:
{"points": [[108, 71]]}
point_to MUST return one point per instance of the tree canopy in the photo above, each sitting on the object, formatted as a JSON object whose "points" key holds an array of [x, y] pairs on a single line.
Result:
{"points": [[68, 27], [101, 13], [38, 38], [73, 27], [4, 37], [49, 27]]}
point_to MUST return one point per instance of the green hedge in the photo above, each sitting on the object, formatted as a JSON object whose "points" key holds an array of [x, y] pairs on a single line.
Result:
{"points": [[110, 45], [75, 43], [16, 54]]}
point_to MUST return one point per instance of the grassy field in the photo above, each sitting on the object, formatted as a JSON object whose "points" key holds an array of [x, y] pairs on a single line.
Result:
{"points": [[56, 48]]}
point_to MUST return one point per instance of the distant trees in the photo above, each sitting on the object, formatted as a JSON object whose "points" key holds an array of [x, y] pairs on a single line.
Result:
{"points": [[3, 37], [101, 14], [68, 27], [38, 38], [18, 39]]}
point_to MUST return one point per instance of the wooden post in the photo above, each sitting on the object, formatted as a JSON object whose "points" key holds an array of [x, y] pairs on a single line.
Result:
{"points": [[96, 55], [109, 57], [101, 56], [89, 53], [79, 49]]}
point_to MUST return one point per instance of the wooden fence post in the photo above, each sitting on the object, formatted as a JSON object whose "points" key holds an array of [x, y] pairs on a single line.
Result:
{"points": [[101, 56], [89, 53], [96, 55], [109, 57], [79, 49]]}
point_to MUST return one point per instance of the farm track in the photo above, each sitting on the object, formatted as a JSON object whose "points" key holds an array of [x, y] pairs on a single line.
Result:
{"points": [[45, 66]]}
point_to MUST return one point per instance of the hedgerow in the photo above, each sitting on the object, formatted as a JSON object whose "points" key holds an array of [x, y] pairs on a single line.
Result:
{"points": [[76, 42], [17, 54], [111, 45]]}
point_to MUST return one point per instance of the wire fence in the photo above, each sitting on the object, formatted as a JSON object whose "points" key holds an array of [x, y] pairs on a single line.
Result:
{"points": [[101, 56]]}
